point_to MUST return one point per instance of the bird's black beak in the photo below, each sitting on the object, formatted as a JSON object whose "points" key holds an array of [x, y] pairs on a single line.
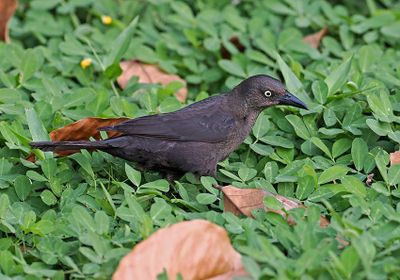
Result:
{"points": [[290, 99]]}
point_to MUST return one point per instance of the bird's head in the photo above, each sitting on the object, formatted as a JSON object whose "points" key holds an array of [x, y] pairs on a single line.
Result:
{"points": [[262, 91]]}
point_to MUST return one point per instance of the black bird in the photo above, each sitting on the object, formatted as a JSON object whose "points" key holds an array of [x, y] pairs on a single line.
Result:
{"points": [[193, 139]]}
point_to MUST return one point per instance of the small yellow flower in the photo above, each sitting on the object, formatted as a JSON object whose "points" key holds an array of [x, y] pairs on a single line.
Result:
{"points": [[107, 20], [85, 63]]}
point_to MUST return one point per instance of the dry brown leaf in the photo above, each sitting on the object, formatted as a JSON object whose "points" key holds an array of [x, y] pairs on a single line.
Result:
{"points": [[243, 201], [83, 129], [235, 41], [7, 9], [149, 74], [196, 249], [395, 158], [315, 39]]}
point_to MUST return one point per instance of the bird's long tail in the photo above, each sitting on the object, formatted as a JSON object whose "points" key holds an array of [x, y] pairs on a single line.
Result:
{"points": [[68, 145]]}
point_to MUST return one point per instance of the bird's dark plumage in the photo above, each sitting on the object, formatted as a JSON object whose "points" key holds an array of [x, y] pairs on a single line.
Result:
{"points": [[195, 138]]}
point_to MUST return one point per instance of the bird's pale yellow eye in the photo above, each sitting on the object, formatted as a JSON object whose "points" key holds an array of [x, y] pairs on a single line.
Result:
{"points": [[268, 93]]}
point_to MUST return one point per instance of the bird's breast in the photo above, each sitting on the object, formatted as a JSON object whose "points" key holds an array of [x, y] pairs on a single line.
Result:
{"points": [[242, 129]]}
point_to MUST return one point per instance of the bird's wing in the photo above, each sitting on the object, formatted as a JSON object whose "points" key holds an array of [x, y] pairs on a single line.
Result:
{"points": [[204, 122]]}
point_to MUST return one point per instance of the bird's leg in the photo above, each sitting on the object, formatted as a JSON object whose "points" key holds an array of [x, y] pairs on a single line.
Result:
{"points": [[173, 176], [213, 172]]}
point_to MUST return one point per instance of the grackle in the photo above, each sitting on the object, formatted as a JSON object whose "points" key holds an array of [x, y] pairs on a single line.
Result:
{"points": [[193, 139]]}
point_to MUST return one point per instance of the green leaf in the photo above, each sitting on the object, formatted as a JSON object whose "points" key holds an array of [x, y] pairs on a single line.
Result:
{"points": [[261, 126], [382, 160], [392, 30], [329, 117], [10, 96], [368, 55], [33, 175], [120, 45], [83, 160], [337, 78], [394, 175], [42, 227], [29, 64], [133, 175], [161, 185], [294, 85], [102, 222], [262, 149], [380, 188], [212, 44], [340, 147], [299, 126], [354, 185], [230, 175], [84, 219], [305, 187], [247, 174], [113, 71], [4, 204], [23, 187], [160, 209], [332, 173], [139, 215], [277, 141], [209, 183], [365, 248], [321, 145], [380, 128], [232, 68], [48, 197], [206, 198], [36, 127], [349, 260], [381, 106], [272, 203], [359, 152], [270, 171], [320, 91]]}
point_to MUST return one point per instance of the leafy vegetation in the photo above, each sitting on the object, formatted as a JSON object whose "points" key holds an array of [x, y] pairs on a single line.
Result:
{"points": [[77, 216]]}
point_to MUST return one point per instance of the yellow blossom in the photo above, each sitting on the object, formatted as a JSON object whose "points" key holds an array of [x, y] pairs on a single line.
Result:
{"points": [[85, 63], [107, 20]]}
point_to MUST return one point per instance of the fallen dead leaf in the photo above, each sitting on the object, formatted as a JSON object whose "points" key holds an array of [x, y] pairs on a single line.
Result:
{"points": [[235, 41], [196, 249], [83, 129], [315, 39], [149, 74], [7, 9], [395, 158], [243, 201]]}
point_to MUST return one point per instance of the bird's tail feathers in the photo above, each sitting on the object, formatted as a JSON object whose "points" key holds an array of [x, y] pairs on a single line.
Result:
{"points": [[67, 145]]}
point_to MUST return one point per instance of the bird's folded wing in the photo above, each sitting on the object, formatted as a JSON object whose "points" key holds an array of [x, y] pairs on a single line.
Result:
{"points": [[212, 126]]}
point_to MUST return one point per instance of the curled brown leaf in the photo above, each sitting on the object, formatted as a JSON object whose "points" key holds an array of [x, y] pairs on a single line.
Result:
{"points": [[149, 73], [7, 10], [195, 249], [234, 41], [315, 39], [244, 201], [83, 129]]}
